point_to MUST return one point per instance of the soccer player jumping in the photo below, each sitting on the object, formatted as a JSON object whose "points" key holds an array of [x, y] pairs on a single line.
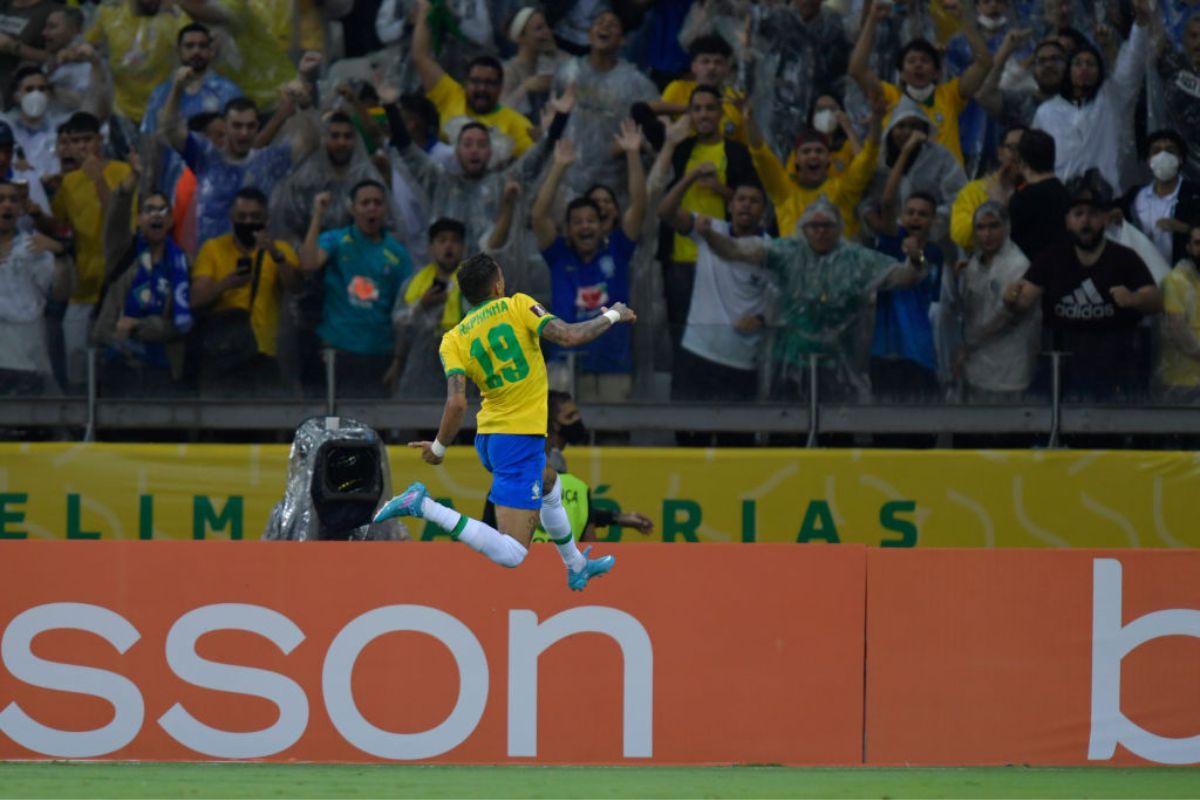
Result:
{"points": [[496, 346]]}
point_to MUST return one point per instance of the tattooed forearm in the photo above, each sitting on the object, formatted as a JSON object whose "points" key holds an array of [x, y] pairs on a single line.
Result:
{"points": [[575, 334]]}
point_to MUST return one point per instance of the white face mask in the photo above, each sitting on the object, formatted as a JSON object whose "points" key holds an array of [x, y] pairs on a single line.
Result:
{"points": [[1164, 165], [992, 23], [921, 95], [33, 104], [825, 121]]}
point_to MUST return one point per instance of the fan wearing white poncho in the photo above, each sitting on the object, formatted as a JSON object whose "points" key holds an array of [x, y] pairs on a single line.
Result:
{"points": [[336, 167], [474, 193], [606, 87], [999, 345], [825, 286]]}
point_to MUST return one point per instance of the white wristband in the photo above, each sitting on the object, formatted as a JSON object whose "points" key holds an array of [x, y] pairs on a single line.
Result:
{"points": [[438, 448], [612, 315]]}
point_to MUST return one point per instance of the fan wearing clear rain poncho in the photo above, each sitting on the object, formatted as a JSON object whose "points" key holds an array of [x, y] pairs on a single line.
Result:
{"points": [[337, 167], [337, 478], [473, 194], [826, 285], [802, 53], [222, 171], [606, 87]]}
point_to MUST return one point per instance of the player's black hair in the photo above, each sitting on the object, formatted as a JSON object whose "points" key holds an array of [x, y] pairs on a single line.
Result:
{"points": [[476, 276]]}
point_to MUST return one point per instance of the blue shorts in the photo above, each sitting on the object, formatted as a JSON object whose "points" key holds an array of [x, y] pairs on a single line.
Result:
{"points": [[516, 462]]}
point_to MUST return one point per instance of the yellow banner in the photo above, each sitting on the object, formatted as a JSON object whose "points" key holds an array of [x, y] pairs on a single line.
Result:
{"points": [[952, 498]]}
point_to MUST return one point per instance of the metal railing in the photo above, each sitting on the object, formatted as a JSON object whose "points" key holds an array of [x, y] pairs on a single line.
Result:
{"points": [[91, 415]]}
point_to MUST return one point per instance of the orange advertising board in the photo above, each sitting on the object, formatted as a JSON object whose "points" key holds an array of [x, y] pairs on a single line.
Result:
{"points": [[1033, 657], [428, 652]]}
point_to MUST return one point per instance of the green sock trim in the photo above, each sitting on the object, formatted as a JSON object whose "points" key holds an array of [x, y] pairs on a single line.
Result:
{"points": [[563, 540], [462, 523]]}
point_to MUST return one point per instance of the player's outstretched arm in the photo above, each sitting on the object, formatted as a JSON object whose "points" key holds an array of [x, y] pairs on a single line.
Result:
{"points": [[452, 417], [578, 333]]}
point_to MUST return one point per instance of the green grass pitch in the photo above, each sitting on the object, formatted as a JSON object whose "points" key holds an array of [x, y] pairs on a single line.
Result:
{"points": [[137, 780]]}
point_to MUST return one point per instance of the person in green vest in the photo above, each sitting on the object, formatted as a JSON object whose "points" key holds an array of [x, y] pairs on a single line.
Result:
{"points": [[565, 426], [577, 501]]}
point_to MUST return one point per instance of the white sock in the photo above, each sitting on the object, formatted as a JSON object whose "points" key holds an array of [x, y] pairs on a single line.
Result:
{"points": [[556, 523], [499, 547], [439, 514]]}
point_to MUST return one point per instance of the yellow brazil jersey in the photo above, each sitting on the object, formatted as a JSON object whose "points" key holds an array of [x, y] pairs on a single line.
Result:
{"points": [[218, 259], [451, 101], [1181, 297], [699, 199], [733, 123], [497, 345], [942, 109], [77, 203]]}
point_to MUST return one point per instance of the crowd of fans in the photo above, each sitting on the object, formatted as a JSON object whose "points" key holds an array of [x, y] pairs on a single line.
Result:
{"points": [[926, 195]]}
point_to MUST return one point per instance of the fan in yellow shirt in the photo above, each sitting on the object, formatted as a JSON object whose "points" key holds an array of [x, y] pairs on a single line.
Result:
{"points": [[496, 346], [480, 100], [919, 65], [1179, 367], [712, 59], [138, 39], [998, 186], [793, 191]]}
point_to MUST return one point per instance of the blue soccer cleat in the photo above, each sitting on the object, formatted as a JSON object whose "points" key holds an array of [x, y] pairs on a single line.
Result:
{"points": [[406, 504], [592, 568]]}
